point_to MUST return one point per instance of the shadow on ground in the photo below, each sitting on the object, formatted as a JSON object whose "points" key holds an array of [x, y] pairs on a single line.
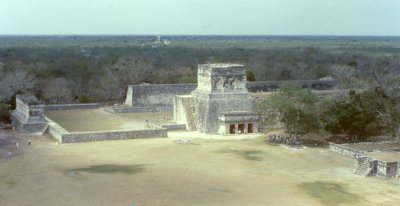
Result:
{"points": [[110, 169], [253, 155], [330, 193]]}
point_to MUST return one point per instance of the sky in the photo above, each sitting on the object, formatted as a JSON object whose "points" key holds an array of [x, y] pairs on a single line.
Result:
{"points": [[200, 17]]}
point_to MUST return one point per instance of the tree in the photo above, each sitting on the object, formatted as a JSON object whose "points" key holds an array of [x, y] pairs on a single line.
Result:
{"points": [[105, 88], [58, 91], [250, 76], [16, 82], [363, 114], [345, 74], [296, 107], [4, 112]]}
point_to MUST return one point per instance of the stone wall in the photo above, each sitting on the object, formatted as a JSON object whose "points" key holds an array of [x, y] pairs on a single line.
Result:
{"points": [[156, 94], [24, 126], [387, 169], [166, 125], [268, 86], [71, 106], [28, 116], [141, 109], [222, 89], [162, 94], [345, 150], [112, 135], [63, 136], [184, 111], [55, 130]]}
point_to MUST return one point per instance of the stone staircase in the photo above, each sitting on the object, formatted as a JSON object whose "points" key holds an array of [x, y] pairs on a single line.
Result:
{"points": [[189, 114], [363, 169]]}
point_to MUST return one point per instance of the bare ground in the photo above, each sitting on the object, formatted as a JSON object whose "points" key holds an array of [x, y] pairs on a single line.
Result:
{"points": [[155, 172], [84, 120]]}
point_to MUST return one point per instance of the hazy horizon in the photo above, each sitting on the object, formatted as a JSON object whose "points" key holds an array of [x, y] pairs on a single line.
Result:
{"points": [[201, 17]]}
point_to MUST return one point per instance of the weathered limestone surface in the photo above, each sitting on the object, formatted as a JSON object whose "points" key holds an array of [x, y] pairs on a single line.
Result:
{"points": [[345, 150], [28, 117], [71, 106], [184, 111], [151, 108], [112, 135], [234, 118], [387, 169], [375, 167], [156, 94], [163, 94], [221, 89], [168, 125]]}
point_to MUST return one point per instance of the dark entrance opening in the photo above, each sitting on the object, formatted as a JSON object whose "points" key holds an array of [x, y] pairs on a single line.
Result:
{"points": [[232, 129], [241, 128], [250, 128]]}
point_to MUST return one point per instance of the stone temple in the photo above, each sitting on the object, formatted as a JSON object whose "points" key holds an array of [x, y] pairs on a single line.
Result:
{"points": [[221, 104]]}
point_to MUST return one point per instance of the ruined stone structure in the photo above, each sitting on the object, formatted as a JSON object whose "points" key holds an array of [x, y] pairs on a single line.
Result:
{"points": [[221, 104], [366, 165], [28, 117], [160, 97], [145, 95]]}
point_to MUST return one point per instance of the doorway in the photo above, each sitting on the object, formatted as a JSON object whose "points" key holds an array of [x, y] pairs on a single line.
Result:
{"points": [[250, 128], [241, 128], [232, 129]]}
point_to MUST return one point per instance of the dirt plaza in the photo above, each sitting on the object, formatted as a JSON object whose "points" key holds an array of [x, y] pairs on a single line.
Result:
{"points": [[184, 169]]}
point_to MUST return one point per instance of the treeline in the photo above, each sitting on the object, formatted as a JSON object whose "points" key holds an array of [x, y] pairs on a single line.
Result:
{"points": [[101, 73], [359, 114]]}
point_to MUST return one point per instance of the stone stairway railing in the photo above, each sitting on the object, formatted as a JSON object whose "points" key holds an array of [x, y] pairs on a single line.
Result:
{"points": [[189, 114], [363, 168]]}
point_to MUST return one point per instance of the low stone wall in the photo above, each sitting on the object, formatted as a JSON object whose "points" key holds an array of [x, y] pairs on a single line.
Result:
{"points": [[168, 126], [112, 135], [163, 94], [24, 126], [387, 169], [345, 150], [269, 86], [71, 106], [156, 94], [166, 108], [63, 136], [55, 130]]}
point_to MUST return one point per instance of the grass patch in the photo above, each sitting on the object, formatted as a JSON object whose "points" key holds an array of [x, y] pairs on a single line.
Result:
{"points": [[253, 155], [329, 193], [110, 169]]}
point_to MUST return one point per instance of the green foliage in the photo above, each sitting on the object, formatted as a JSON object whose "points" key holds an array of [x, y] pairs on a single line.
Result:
{"points": [[250, 76], [84, 99], [362, 114], [296, 107], [5, 110], [131, 60]]}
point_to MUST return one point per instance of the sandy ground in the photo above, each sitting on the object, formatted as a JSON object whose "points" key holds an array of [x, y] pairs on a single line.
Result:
{"points": [[84, 120], [161, 172]]}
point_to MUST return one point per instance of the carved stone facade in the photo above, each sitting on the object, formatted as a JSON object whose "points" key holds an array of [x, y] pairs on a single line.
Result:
{"points": [[220, 102]]}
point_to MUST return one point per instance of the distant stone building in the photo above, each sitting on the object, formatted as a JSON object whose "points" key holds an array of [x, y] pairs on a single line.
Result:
{"points": [[221, 104], [28, 117]]}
